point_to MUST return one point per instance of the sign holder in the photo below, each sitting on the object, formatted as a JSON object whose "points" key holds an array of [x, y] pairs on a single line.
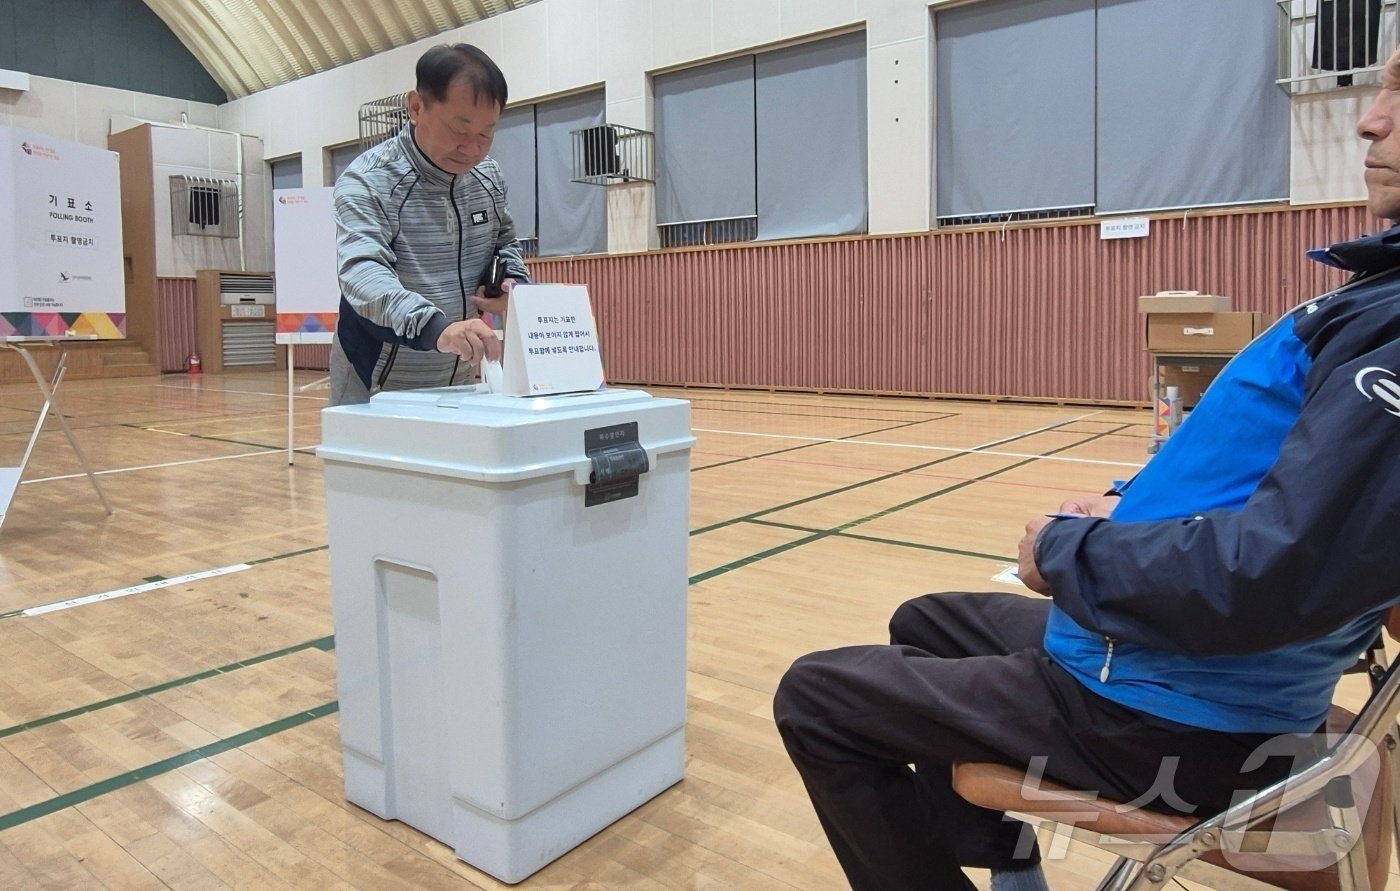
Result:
{"points": [[291, 340], [308, 284], [48, 387]]}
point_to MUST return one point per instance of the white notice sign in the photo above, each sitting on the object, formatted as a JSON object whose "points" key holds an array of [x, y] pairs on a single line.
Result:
{"points": [[551, 343], [60, 238], [308, 284], [1125, 227]]}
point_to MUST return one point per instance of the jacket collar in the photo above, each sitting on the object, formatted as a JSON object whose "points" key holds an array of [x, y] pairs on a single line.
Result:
{"points": [[1366, 255], [426, 169]]}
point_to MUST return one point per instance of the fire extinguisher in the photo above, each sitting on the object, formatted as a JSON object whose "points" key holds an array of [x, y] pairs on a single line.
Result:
{"points": [[194, 365]]}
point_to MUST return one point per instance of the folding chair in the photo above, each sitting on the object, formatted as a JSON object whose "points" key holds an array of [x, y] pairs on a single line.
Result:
{"points": [[1327, 827]]}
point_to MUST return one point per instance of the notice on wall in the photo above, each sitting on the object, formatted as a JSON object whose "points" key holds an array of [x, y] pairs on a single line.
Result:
{"points": [[308, 285], [61, 270], [1125, 227]]}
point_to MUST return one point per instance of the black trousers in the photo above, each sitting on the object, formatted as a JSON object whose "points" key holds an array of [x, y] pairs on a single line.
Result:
{"points": [[966, 679]]}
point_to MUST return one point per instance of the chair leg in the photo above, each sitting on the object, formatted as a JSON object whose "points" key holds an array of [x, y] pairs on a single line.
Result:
{"points": [[1352, 874], [1119, 875]]}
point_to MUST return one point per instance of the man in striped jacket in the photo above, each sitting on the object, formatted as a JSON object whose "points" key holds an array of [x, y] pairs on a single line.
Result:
{"points": [[418, 219]]}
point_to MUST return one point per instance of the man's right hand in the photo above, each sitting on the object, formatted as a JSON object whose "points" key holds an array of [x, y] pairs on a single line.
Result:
{"points": [[471, 339]]}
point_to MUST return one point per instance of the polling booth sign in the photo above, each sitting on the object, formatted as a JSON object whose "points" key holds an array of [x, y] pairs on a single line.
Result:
{"points": [[60, 239]]}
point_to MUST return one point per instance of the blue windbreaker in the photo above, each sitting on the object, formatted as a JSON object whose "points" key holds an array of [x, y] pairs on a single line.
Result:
{"points": [[1252, 559]]}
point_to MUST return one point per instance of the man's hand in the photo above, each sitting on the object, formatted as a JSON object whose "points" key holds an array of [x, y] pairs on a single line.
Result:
{"points": [[1025, 557], [498, 305], [471, 339], [1090, 505]]}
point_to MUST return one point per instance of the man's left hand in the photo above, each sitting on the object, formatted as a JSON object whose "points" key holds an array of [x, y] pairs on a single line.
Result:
{"points": [[495, 305], [1026, 569]]}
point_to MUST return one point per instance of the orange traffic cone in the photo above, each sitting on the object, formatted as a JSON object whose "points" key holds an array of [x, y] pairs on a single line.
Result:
{"points": [[194, 364]]}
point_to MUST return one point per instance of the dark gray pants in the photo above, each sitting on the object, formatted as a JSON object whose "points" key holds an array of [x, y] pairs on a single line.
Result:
{"points": [[966, 679]]}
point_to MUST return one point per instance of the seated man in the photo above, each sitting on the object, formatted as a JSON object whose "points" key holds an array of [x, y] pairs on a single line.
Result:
{"points": [[1242, 571]]}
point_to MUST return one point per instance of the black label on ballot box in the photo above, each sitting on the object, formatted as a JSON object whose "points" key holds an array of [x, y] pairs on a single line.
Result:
{"points": [[618, 460]]}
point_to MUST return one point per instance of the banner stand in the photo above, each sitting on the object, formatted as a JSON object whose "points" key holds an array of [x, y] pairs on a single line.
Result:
{"points": [[10, 476], [291, 341]]}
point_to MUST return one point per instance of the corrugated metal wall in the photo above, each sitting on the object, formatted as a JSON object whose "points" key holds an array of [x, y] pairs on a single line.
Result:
{"points": [[175, 322], [314, 357], [1043, 311]]}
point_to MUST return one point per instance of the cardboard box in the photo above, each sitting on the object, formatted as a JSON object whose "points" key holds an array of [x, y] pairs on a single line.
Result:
{"points": [[1182, 301], [1190, 380], [1202, 332]]}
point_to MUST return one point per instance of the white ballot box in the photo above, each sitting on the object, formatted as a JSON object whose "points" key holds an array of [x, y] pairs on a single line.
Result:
{"points": [[510, 638]]}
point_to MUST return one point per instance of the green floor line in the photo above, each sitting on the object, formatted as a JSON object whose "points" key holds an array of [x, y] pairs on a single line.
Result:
{"points": [[957, 552], [325, 644], [913, 502], [809, 445], [132, 777], [838, 530], [255, 445], [869, 482], [821, 415], [311, 550], [804, 404]]}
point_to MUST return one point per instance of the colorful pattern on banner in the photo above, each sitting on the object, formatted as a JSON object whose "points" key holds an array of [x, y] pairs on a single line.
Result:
{"points": [[306, 322], [102, 325]]}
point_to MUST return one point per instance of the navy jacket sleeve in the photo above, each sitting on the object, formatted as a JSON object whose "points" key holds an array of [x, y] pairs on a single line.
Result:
{"points": [[1316, 545]]}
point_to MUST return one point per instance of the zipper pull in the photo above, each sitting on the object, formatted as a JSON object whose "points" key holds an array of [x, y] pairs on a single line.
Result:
{"points": [[1107, 661]]}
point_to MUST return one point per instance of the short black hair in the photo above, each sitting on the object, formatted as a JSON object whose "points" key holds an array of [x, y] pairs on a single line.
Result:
{"points": [[439, 66]]}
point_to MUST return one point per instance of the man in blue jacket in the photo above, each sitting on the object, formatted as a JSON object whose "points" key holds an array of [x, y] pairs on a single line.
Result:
{"points": [[1239, 574]]}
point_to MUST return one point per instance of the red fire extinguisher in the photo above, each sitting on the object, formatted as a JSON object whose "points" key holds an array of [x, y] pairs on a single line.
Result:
{"points": [[194, 364]]}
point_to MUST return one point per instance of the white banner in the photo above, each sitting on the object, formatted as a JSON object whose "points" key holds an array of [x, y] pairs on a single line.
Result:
{"points": [[303, 229], [61, 236], [308, 287]]}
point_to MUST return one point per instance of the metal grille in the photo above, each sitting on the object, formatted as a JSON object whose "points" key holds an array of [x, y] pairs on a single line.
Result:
{"points": [[1327, 44], [239, 288], [700, 232], [1019, 216], [381, 119], [529, 247], [201, 205], [249, 343], [610, 154]]}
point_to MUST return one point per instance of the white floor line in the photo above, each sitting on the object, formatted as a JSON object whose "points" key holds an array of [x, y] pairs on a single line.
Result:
{"points": [[983, 449], [229, 392], [72, 476], [134, 589]]}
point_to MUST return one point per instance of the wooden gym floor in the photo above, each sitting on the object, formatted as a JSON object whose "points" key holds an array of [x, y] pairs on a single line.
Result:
{"points": [[185, 735]]}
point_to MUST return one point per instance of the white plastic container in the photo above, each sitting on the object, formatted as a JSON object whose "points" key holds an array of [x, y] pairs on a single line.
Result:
{"points": [[510, 662]]}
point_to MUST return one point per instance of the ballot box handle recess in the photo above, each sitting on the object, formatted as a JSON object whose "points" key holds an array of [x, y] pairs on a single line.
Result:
{"points": [[617, 459]]}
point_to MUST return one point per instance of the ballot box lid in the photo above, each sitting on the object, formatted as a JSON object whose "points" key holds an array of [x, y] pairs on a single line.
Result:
{"points": [[467, 432]]}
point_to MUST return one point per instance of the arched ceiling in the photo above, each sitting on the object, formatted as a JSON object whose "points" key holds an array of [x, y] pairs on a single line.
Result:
{"points": [[250, 45]]}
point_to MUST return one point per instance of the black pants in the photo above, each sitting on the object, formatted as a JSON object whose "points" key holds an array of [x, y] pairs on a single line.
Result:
{"points": [[967, 679]]}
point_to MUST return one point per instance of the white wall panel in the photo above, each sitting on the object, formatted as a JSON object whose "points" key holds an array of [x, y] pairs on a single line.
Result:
{"points": [[574, 44], [1326, 156], [900, 141], [806, 16], [742, 24]]}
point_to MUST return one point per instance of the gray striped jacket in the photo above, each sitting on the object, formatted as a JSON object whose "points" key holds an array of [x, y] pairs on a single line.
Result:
{"points": [[412, 243]]}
